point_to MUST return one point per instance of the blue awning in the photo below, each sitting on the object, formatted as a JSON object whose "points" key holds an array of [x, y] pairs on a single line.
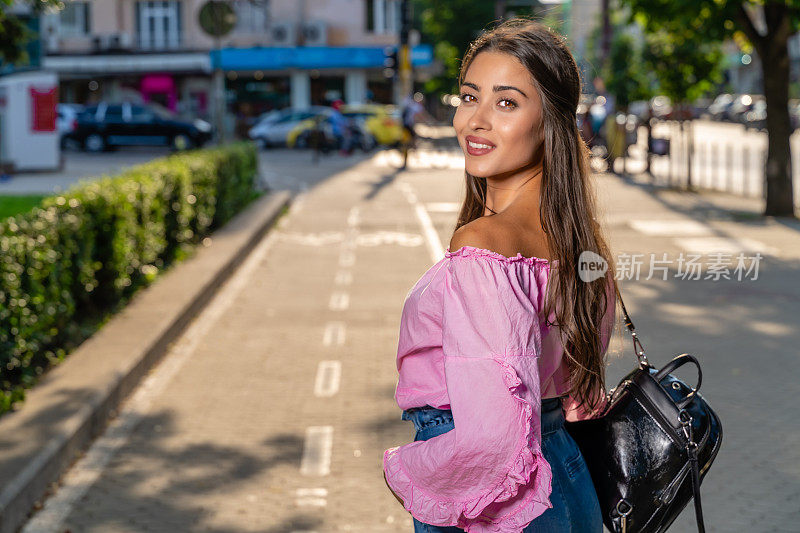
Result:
{"points": [[276, 58]]}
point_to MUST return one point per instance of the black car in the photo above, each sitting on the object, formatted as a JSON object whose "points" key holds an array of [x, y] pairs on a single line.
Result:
{"points": [[104, 126]]}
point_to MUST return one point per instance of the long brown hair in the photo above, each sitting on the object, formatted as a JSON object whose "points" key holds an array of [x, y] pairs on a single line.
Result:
{"points": [[567, 206]]}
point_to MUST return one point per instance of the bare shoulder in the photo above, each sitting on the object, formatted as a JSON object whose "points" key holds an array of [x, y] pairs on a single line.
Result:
{"points": [[502, 236], [479, 233]]}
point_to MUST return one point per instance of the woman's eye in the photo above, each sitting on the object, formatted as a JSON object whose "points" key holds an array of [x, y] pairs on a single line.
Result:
{"points": [[510, 104], [465, 96]]}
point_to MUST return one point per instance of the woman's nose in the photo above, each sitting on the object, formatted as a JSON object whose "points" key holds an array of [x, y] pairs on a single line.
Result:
{"points": [[480, 118]]}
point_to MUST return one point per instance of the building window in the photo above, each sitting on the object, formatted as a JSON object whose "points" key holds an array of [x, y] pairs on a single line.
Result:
{"points": [[159, 24], [74, 19], [251, 16], [383, 16]]}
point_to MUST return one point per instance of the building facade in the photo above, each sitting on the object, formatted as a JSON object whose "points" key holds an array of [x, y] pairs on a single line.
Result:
{"points": [[279, 53]]}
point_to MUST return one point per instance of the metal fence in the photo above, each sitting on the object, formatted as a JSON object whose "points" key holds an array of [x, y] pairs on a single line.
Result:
{"points": [[726, 157]]}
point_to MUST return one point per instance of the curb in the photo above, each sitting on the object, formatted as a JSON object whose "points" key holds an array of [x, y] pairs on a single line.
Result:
{"points": [[73, 402]]}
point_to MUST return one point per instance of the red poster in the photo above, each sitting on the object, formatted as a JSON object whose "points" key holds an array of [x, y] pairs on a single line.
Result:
{"points": [[43, 104]]}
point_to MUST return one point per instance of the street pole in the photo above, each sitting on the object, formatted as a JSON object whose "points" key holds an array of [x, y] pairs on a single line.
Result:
{"points": [[217, 18], [219, 92], [405, 72], [605, 42]]}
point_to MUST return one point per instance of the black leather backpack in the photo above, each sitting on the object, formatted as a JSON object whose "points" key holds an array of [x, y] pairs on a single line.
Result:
{"points": [[651, 447]]}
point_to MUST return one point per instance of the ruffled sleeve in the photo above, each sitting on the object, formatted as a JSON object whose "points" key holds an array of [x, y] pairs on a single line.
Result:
{"points": [[487, 474]]}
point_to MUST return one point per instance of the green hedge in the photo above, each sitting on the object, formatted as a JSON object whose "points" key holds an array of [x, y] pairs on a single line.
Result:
{"points": [[66, 266]]}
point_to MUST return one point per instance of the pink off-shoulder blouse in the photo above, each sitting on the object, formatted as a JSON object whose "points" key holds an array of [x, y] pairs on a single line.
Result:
{"points": [[472, 339]]}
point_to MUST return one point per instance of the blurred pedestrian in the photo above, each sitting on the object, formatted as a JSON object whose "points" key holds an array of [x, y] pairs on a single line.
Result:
{"points": [[411, 111], [614, 128], [648, 124], [317, 138], [342, 128]]}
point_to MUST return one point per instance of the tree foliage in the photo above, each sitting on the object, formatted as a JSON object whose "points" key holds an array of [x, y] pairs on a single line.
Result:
{"points": [[451, 25], [685, 70], [625, 74], [643, 62], [14, 34], [766, 25]]}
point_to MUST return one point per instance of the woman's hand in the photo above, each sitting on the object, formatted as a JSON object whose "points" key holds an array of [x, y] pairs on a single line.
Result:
{"points": [[390, 489]]}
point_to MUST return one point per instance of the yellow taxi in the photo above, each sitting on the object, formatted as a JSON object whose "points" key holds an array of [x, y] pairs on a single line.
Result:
{"points": [[381, 121]]}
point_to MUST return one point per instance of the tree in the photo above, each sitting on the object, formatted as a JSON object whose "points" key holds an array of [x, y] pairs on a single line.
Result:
{"points": [[622, 69], [452, 25], [14, 34], [685, 71], [625, 74], [767, 25], [627, 79]]}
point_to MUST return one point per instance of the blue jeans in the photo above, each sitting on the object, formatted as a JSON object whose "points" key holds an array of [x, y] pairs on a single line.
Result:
{"points": [[575, 505]]}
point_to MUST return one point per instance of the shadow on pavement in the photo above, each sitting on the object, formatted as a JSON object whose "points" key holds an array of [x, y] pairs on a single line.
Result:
{"points": [[706, 209], [152, 482]]}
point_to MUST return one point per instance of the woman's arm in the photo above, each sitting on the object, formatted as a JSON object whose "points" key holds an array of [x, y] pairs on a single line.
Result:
{"points": [[488, 473]]}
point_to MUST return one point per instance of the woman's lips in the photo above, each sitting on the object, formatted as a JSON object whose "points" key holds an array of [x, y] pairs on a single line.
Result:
{"points": [[478, 145]]}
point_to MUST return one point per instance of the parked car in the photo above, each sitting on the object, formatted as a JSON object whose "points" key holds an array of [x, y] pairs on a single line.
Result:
{"points": [[273, 128], [756, 117], [640, 109], [300, 136], [67, 117], [303, 135], [742, 104], [661, 106], [67, 120], [378, 121], [106, 125], [718, 110], [700, 107], [362, 122]]}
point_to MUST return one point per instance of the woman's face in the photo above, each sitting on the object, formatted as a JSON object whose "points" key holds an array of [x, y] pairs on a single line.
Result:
{"points": [[498, 122]]}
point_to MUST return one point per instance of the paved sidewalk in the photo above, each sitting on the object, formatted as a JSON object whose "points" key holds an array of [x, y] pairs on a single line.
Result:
{"points": [[274, 409]]}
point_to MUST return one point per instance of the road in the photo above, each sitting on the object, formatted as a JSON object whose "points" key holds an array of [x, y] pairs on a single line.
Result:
{"points": [[272, 411]]}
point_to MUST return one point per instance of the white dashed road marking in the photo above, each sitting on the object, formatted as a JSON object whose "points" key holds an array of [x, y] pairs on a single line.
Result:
{"points": [[343, 277], [315, 497], [670, 227], [329, 374], [435, 248], [312, 239], [434, 243], [353, 216], [707, 245], [339, 301], [334, 334], [347, 258], [443, 207], [316, 459], [389, 237]]}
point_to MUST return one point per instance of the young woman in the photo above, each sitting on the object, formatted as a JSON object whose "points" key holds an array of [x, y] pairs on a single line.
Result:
{"points": [[504, 338]]}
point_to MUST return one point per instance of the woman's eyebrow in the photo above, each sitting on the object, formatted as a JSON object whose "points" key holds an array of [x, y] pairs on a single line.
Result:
{"points": [[496, 88]]}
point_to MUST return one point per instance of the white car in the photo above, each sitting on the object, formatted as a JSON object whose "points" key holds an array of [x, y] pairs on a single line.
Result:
{"points": [[67, 119], [272, 128]]}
